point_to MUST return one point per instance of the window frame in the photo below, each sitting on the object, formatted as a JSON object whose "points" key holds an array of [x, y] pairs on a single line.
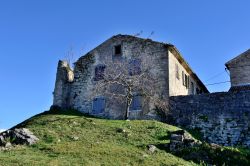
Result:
{"points": [[134, 67]]}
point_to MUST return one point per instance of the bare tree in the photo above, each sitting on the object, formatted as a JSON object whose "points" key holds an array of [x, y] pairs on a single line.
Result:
{"points": [[72, 54], [119, 77]]}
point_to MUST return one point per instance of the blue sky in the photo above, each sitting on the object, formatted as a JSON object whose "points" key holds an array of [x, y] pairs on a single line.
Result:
{"points": [[34, 35]]}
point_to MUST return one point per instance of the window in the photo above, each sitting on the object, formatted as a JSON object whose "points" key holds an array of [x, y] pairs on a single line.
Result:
{"points": [[99, 72], [136, 102], [185, 80], [98, 105], [177, 71], [118, 50], [198, 91], [134, 67], [192, 88]]}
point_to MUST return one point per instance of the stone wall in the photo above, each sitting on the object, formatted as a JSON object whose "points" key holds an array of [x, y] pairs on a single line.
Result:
{"points": [[222, 118], [77, 93], [64, 78], [239, 68], [84, 72]]}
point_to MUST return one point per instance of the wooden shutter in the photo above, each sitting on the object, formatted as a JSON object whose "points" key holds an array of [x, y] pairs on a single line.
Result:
{"points": [[136, 102], [134, 67], [98, 105], [99, 72]]}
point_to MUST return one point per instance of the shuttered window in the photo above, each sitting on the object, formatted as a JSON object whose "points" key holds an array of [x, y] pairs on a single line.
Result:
{"points": [[98, 105], [134, 67], [177, 71], [136, 103], [185, 80], [99, 72]]}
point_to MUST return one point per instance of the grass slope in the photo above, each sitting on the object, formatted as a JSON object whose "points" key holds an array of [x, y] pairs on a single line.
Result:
{"points": [[73, 139]]}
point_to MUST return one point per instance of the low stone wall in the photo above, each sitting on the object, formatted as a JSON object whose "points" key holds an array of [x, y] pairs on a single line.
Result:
{"points": [[222, 118]]}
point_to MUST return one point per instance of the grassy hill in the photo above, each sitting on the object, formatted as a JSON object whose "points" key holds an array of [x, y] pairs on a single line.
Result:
{"points": [[70, 138], [73, 139]]}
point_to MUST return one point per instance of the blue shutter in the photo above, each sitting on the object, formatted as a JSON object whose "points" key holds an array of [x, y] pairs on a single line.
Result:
{"points": [[136, 103], [102, 105], [134, 67], [99, 72], [98, 105]]}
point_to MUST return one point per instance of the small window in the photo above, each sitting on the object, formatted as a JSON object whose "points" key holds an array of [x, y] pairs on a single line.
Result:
{"points": [[99, 72], [98, 105], [118, 50], [185, 80], [192, 88], [198, 91], [177, 71], [136, 102], [134, 67]]}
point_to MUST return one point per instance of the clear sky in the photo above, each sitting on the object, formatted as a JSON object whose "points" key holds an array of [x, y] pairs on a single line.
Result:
{"points": [[34, 35]]}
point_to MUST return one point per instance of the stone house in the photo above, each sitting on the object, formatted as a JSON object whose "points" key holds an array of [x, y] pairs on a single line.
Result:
{"points": [[239, 68], [174, 77]]}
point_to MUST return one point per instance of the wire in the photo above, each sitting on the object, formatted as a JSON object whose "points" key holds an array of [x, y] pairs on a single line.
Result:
{"points": [[217, 83], [215, 76]]}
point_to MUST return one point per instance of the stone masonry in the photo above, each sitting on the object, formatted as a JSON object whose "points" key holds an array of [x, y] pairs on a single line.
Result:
{"points": [[239, 68], [222, 118], [73, 87]]}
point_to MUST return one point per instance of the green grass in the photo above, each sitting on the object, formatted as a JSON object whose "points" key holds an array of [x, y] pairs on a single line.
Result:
{"points": [[69, 138]]}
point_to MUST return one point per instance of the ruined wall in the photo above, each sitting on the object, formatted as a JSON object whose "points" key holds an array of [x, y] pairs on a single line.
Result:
{"points": [[222, 118], [83, 84], [64, 77]]}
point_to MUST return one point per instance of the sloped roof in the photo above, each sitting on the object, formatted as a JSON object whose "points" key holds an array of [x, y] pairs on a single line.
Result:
{"points": [[240, 57]]}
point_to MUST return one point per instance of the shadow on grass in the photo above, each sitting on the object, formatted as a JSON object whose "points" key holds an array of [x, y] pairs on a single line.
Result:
{"points": [[165, 137]]}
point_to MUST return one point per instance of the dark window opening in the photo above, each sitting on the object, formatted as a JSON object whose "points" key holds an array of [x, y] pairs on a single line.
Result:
{"points": [[99, 72], [98, 105], [192, 88], [134, 67], [118, 50], [198, 91]]}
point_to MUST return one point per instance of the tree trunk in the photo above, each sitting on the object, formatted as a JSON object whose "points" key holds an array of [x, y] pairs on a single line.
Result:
{"points": [[129, 101]]}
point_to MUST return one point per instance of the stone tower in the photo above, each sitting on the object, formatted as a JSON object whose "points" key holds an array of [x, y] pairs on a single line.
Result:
{"points": [[64, 78]]}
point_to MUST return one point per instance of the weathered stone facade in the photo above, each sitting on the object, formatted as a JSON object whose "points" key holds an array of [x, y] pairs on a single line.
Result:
{"points": [[64, 78], [239, 68], [222, 118], [76, 93]]}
